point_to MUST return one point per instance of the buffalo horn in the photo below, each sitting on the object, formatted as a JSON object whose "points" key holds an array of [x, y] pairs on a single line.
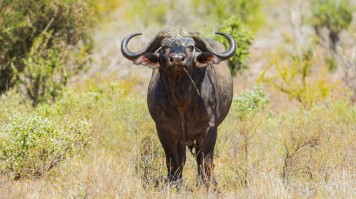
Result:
{"points": [[151, 47], [203, 45]]}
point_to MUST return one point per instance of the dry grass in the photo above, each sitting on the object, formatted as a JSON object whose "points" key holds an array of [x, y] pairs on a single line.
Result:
{"points": [[125, 159]]}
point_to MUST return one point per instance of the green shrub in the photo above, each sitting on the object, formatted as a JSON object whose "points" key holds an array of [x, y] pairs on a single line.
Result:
{"points": [[243, 39], [23, 23], [333, 15], [32, 145], [250, 102]]}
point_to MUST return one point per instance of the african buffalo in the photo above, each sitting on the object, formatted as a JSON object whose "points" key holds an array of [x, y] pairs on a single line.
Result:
{"points": [[189, 94]]}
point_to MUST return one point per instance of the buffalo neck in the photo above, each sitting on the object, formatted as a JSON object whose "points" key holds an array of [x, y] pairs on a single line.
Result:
{"points": [[180, 87]]}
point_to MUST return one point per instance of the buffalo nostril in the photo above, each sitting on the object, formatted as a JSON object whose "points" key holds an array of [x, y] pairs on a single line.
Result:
{"points": [[177, 58]]}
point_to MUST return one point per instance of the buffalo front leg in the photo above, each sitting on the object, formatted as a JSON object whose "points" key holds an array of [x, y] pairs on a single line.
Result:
{"points": [[175, 155], [205, 156]]}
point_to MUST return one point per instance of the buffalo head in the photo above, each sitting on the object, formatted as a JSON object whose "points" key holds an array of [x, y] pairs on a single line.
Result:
{"points": [[177, 50]]}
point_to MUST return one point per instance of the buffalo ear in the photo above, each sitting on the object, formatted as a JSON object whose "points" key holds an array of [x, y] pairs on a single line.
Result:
{"points": [[206, 58], [148, 59]]}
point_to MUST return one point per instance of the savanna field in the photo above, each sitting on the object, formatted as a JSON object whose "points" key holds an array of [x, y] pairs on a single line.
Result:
{"points": [[74, 121]]}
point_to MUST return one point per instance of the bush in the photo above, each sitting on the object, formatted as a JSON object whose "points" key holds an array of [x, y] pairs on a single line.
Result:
{"points": [[333, 15], [312, 149], [250, 102], [296, 79], [25, 22], [32, 145], [245, 106], [243, 39]]}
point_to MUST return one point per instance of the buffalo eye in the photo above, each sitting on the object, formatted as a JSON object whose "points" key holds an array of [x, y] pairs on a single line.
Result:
{"points": [[190, 48], [164, 48]]}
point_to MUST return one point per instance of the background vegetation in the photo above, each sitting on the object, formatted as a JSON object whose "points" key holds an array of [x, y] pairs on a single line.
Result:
{"points": [[38, 42], [74, 121]]}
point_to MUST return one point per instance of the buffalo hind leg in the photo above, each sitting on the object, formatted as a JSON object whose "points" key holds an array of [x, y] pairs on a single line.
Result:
{"points": [[205, 156]]}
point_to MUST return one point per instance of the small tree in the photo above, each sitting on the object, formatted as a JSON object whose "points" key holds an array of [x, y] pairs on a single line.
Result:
{"points": [[23, 22], [330, 17], [47, 70], [43, 66], [247, 105], [295, 79], [243, 39], [333, 15]]}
